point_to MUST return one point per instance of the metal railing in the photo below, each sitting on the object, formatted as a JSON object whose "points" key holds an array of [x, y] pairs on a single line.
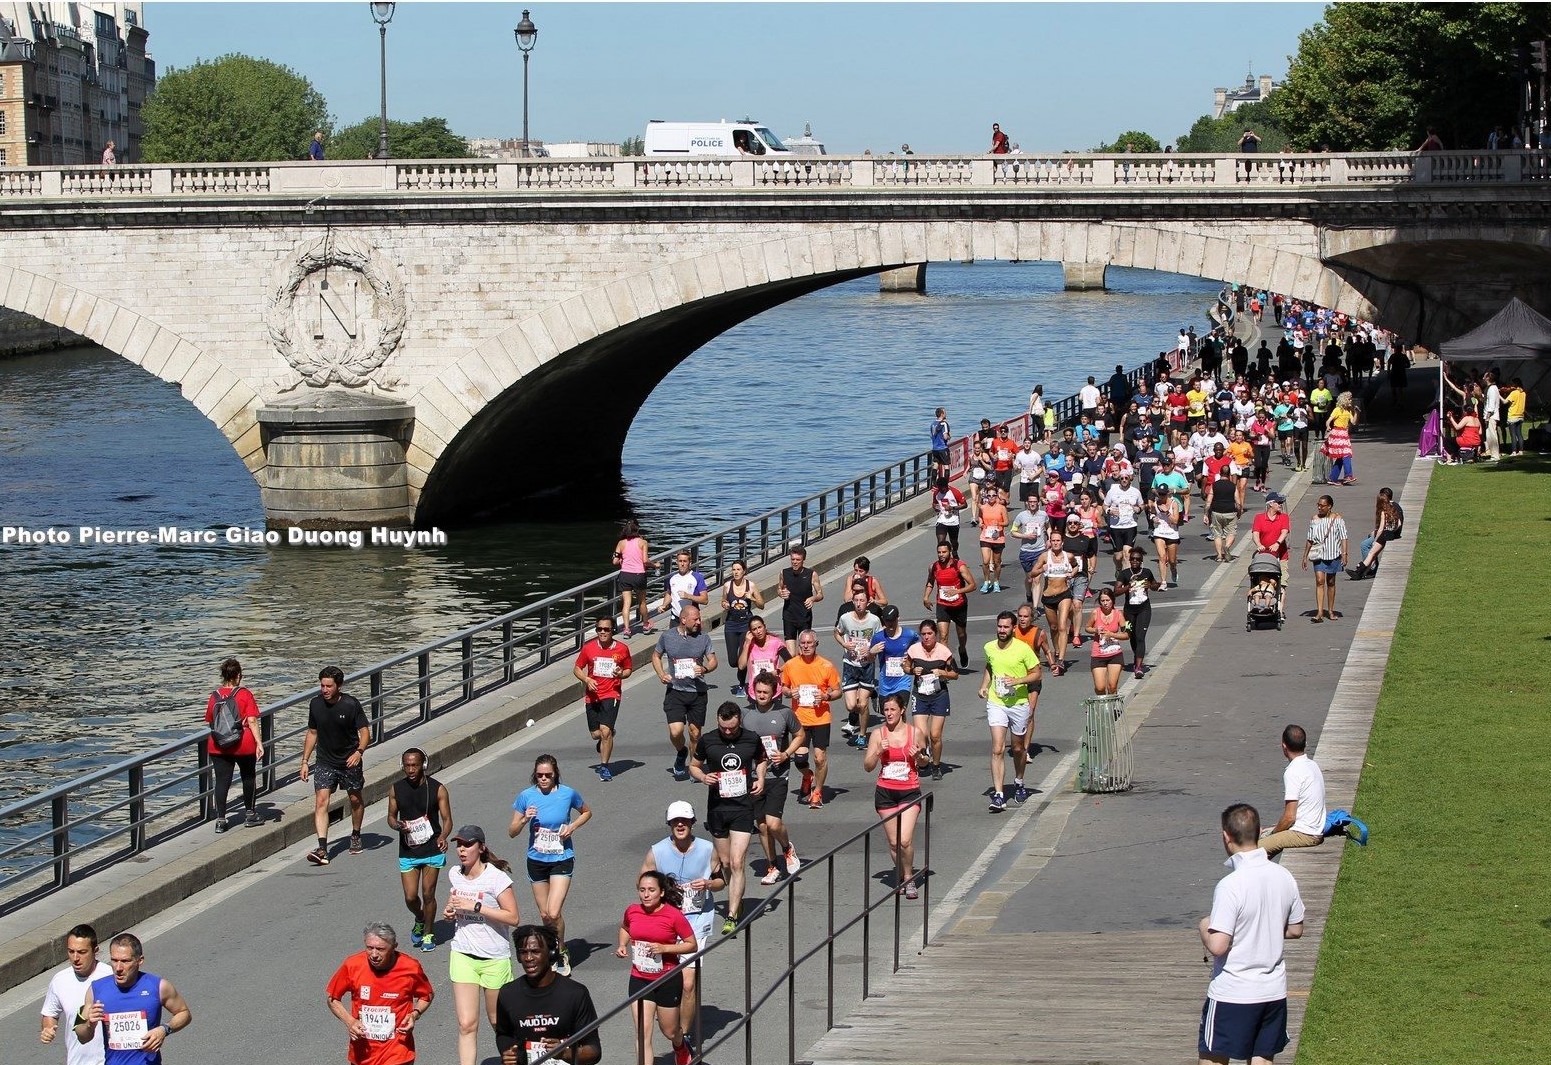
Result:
{"points": [[118, 811], [786, 896]]}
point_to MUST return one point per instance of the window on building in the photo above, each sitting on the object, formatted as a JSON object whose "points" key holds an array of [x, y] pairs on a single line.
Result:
{"points": [[2, 158], [2, 123]]}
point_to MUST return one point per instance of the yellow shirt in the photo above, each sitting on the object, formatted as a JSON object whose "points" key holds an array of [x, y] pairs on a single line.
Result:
{"points": [[1340, 418], [1197, 401], [1516, 401]]}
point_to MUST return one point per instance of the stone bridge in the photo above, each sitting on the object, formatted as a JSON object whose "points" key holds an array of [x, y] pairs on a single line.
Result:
{"points": [[394, 343]]}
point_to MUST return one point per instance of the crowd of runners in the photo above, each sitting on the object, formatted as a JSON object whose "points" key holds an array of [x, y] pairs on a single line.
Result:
{"points": [[1094, 511]]}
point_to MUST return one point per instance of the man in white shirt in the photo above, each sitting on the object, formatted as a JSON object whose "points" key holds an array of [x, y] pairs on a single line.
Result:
{"points": [[1302, 823], [67, 994], [1254, 908], [1491, 415], [1030, 465], [1122, 503]]}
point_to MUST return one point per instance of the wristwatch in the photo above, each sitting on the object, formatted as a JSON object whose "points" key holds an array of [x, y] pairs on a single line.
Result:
{"points": [[478, 906]]}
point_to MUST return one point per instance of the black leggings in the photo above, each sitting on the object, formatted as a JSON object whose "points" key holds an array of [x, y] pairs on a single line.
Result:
{"points": [[1140, 617], [224, 764], [1262, 462], [734, 638]]}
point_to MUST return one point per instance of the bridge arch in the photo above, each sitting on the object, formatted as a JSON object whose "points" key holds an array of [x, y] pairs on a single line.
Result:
{"points": [[555, 393], [214, 390]]}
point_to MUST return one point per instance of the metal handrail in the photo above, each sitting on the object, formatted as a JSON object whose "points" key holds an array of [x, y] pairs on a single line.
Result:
{"points": [[785, 894], [417, 686]]}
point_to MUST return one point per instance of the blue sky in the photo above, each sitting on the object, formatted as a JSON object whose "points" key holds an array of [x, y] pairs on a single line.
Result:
{"points": [[865, 75]]}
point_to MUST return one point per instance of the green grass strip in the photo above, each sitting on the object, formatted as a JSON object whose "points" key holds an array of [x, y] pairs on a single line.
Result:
{"points": [[1439, 938]]}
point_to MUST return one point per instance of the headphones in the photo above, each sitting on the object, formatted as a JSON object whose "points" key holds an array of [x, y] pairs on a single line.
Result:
{"points": [[546, 934]]}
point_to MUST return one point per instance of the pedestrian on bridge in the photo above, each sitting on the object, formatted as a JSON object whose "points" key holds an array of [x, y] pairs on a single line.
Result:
{"points": [[338, 731]]}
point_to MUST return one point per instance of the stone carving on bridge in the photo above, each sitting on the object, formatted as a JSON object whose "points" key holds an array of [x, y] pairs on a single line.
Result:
{"points": [[336, 314]]}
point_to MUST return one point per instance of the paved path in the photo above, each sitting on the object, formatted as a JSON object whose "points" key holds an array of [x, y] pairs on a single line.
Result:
{"points": [[1084, 933]]}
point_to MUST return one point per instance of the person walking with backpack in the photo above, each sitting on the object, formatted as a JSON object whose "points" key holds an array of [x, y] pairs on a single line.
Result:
{"points": [[233, 717]]}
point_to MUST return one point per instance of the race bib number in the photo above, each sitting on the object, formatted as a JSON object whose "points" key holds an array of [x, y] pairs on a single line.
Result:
{"points": [[127, 1031], [536, 1050], [894, 667], [605, 667], [895, 771], [548, 841], [379, 1022], [929, 685], [772, 748], [468, 916], [698, 901], [644, 960], [732, 784], [1004, 686], [808, 695], [1108, 646], [417, 830], [765, 668], [684, 669], [993, 532], [949, 595]]}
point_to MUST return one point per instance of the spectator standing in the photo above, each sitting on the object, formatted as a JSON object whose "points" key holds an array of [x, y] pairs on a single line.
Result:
{"points": [[1000, 145], [110, 154], [242, 755], [315, 149], [1326, 543]]}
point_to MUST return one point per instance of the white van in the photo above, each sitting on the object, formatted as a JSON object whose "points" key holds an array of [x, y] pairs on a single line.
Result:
{"points": [[691, 139]]}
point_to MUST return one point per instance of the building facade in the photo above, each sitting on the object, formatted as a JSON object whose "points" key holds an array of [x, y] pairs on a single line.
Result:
{"points": [[73, 76], [1227, 101]]}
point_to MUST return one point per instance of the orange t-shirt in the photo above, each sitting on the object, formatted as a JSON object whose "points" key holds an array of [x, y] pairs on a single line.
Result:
{"points": [[818, 674], [1242, 454], [993, 523]]}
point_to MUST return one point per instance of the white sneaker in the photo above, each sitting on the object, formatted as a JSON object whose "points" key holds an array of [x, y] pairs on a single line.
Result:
{"points": [[793, 863], [848, 730]]}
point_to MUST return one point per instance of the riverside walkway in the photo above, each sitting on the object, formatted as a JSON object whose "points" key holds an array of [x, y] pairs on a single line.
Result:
{"points": [[1084, 909]]}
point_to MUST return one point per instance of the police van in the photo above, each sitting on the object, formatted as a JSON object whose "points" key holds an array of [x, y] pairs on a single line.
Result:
{"points": [[692, 139]]}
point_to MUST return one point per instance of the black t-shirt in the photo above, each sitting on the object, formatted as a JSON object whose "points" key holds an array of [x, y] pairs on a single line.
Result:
{"points": [[800, 587], [338, 728], [413, 804], [1082, 546], [1224, 497], [525, 1013], [718, 754]]}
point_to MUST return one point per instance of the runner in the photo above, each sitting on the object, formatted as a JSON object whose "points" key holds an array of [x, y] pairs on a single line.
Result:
{"points": [[814, 684], [1057, 567], [854, 632], [338, 730], [654, 935], [603, 666], [1108, 627], [631, 555], [889, 649], [541, 1009], [993, 539], [480, 899], [1122, 503], [1010, 667], [1027, 630], [731, 762], [130, 1005], [67, 994], [740, 598], [762, 655], [692, 865], [544, 808], [389, 993], [783, 736], [1135, 586], [947, 582], [1163, 512], [420, 811], [1028, 528], [686, 587], [799, 589], [861, 573], [682, 658], [893, 752], [948, 502], [931, 668]]}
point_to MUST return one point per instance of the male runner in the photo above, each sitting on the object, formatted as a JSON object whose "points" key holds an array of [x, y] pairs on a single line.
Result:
{"points": [[602, 666], [420, 811], [783, 736], [813, 684], [67, 994], [389, 993], [1011, 666], [682, 658], [731, 762]]}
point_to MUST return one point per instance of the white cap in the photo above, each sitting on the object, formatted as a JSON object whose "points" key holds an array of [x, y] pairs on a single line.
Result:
{"points": [[680, 810]]}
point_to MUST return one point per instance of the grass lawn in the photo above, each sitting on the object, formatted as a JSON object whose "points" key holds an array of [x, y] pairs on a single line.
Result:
{"points": [[1439, 939]]}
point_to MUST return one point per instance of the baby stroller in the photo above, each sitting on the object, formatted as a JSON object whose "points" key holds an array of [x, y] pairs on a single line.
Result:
{"points": [[1266, 594]]}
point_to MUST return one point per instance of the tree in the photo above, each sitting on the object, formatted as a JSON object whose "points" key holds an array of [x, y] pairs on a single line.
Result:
{"points": [[1219, 135], [233, 109], [1132, 140], [632, 146], [1374, 76], [428, 138]]}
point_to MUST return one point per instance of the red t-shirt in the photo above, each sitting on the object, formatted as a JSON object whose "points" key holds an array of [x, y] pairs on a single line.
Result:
{"points": [[665, 924], [605, 674], [1002, 453], [1267, 529], [1214, 465], [247, 707], [381, 1002], [1179, 407]]}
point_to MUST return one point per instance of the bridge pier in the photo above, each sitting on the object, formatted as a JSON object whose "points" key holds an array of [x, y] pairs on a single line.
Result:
{"points": [[904, 279], [1084, 277], [336, 460]]}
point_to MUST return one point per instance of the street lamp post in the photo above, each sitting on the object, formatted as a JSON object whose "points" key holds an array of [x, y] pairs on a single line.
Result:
{"points": [[527, 35], [382, 14]]}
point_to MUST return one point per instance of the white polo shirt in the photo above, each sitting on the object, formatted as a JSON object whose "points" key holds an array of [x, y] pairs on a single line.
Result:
{"points": [[1254, 904], [66, 995], [1302, 780]]}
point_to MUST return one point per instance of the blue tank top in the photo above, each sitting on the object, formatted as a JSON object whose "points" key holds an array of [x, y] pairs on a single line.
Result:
{"points": [[127, 1016], [684, 867]]}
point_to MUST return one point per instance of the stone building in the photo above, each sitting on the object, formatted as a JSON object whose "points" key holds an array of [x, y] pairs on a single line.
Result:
{"points": [[73, 76], [1226, 101]]}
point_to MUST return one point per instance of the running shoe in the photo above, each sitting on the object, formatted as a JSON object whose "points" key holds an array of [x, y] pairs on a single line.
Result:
{"points": [[807, 782], [793, 863], [1020, 794], [1077, 640], [771, 877], [963, 657], [996, 586], [417, 933], [428, 943], [859, 741], [680, 773], [998, 803], [985, 587], [739, 690], [816, 800], [563, 966], [355, 843], [682, 1054], [1138, 672], [625, 634], [911, 892], [848, 730], [318, 856], [937, 772], [730, 926], [220, 825], [253, 820], [605, 773]]}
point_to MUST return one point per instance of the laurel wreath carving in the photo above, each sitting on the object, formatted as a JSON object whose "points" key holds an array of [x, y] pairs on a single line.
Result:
{"points": [[349, 364]]}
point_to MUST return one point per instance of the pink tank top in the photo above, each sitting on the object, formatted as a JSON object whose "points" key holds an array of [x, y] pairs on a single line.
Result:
{"points": [[632, 559], [897, 768]]}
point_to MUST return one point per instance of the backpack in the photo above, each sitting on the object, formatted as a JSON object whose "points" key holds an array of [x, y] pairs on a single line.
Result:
{"points": [[226, 722]]}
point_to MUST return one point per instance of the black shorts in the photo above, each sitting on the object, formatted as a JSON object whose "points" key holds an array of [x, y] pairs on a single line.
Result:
{"points": [[680, 706], [995, 549], [667, 994], [729, 817], [854, 677], [818, 736], [1027, 491], [772, 801], [634, 582], [1053, 602], [540, 872], [958, 613], [940, 457], [790, 627], [602, 712], [1122, 538], [332, 778], [889, 798]]}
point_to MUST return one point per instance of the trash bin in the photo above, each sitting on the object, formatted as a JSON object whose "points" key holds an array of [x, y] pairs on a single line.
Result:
{"points": [[1104, 764]]}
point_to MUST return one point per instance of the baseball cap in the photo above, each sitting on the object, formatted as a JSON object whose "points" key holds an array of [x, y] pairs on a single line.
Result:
{"points": [[469, 834], [680, 811], [1276, 497]]}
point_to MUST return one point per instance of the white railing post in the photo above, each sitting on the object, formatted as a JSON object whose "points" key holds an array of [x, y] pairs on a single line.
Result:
{"points": [[1104, 172], [982, 171], [53, 183], [506, 176], [1513, 167], [161, 181], [624, 174], [1338, 172], [1225, 171], [743, 174], [861, 173], [1422, 169]]}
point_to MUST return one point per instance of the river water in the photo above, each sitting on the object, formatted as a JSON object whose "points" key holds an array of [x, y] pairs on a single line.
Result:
{"points": [[112, 649]]}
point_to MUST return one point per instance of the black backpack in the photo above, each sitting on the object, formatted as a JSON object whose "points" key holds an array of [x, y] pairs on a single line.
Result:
{"points": [[226, 722]]}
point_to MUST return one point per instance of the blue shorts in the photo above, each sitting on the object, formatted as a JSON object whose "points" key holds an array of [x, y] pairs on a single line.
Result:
{"points": [[1330, 568], [1243, 1030], [934, 705], [435, 861]]}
